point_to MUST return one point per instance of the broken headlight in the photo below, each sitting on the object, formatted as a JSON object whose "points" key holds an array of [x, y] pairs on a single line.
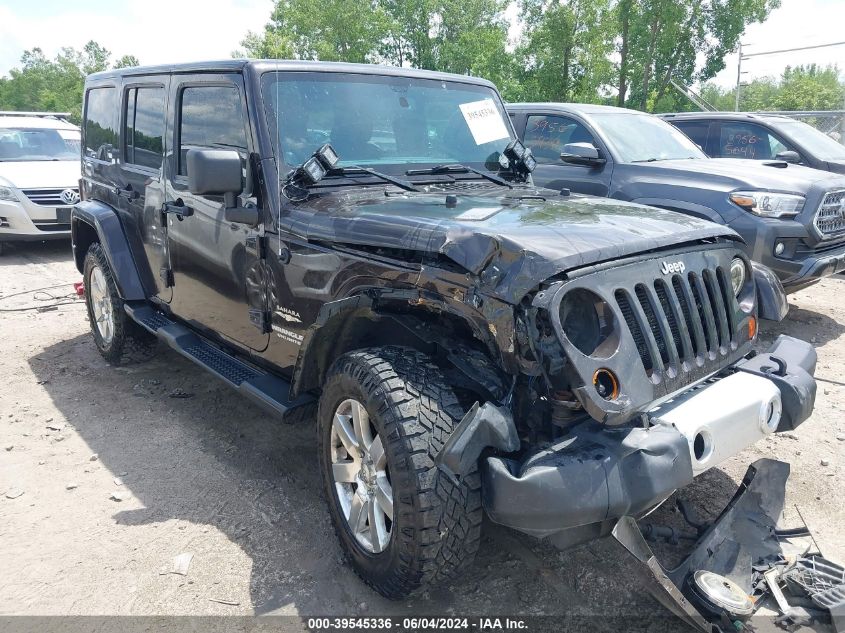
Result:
{"points": [[588, 323]]}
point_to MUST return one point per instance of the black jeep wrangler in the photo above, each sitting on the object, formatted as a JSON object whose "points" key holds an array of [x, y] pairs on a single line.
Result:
{"points": [[369, 239]]}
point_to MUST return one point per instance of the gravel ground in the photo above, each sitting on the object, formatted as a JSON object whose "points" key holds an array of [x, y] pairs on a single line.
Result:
{"points": [[108, 474]]}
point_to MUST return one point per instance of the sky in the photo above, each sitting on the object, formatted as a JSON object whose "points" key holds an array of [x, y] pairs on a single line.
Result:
{"points": [[200, 29], [140, 28], [796, 23]]}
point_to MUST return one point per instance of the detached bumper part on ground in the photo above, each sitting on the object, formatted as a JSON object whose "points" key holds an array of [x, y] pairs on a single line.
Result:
{"points": [[577, 489], [743, 546]]}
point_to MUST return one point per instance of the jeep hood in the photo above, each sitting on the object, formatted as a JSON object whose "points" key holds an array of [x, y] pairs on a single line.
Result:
{"points": [[730, 174], [52, 174], [513, 241]]}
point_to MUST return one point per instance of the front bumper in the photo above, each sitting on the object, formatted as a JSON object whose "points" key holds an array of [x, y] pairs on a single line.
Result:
{"points": [[799, 265], [25, 221], [576, 489]]}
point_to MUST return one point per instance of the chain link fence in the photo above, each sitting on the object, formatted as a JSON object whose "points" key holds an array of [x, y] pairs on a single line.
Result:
{"points": [[831, 122]]}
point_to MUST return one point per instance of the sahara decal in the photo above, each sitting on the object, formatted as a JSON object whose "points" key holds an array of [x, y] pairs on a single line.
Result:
{"points": [[291, 316]]}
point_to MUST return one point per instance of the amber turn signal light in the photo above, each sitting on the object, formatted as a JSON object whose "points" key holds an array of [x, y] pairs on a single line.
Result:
{"points": [[606, 384], [752, 328]]}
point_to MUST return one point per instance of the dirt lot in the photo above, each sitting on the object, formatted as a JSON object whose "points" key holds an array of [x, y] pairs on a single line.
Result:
{"points": [[199, 470]]}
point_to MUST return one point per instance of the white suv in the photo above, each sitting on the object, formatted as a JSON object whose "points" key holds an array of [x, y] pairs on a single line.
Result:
{"points": [[39, 175]]}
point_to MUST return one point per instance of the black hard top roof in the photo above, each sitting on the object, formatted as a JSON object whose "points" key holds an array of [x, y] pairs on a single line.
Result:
{"points": [[264, 65]]}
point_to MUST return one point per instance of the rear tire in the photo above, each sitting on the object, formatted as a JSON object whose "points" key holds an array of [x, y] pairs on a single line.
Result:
{"points": [[427, 527], [117, 337]]}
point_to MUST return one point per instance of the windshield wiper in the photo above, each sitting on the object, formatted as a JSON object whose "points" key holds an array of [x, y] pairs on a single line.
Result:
{"points": [[354, 169], [457, 168]]}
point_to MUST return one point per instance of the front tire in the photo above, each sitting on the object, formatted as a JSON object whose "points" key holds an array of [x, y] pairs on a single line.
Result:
{"points": [[384, 414], [117, 337]]}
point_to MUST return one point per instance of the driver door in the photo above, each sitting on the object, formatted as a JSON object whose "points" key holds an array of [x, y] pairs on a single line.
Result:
{"points": [[217, 272]]}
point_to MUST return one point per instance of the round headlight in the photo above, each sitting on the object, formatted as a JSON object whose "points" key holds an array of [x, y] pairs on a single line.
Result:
{"points": [[737, 275]]}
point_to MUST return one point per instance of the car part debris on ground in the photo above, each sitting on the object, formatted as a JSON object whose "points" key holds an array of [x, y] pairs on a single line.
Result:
{"points": [[743, 562]]}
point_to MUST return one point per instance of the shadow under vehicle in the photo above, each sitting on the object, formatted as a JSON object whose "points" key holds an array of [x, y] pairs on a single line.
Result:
{"points": [[370, 239]]}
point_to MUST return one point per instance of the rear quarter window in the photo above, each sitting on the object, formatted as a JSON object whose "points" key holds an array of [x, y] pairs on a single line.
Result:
{"points": [[100, 125], [696, 130]]}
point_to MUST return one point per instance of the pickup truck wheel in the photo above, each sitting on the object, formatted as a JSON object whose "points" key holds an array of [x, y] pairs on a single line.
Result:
{"points": [[383, 416], [118, 338]]}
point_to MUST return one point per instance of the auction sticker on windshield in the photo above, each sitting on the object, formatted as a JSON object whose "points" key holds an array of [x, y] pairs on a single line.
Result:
{"points": [[484, 121]]}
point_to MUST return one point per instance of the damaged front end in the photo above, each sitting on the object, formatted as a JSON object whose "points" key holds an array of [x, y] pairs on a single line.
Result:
{"points": [[638, 377], [576, 488]]}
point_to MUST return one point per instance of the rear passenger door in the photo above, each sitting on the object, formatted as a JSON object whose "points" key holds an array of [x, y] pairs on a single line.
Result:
{"points": [[744, 139], [140, 184], [217, 272], [546, 135]]}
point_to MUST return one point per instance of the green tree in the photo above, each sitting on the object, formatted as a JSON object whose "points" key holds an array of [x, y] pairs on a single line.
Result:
{"points": [[127, 61], [340, 30], [53, 85], [800, 88], [682, 39], [564, 52], [459, 36]]}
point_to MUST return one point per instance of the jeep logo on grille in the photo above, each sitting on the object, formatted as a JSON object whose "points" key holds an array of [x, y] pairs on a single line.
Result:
{"points": [[672, 267], [69, 196]]}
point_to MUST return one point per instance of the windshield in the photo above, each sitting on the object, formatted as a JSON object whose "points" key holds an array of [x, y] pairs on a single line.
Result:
{"points": [[35, 144], [641, 138], [394, 123], [815, 142]]}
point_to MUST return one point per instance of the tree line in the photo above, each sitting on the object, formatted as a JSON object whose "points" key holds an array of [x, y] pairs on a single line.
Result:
{"points": [[618, 52], [55, 85], [622, 52], [808, 87]]}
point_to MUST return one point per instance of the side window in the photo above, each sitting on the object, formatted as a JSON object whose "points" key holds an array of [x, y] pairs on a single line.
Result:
{"points": [[144, 131], [739, 139], [100, 127], [696, 130], [210, 118], [546, 136]]}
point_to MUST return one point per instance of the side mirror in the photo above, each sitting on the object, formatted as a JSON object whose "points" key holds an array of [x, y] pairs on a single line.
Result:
{"points": [[214, 171], [789, 156], [218, 172], [584, 154]]}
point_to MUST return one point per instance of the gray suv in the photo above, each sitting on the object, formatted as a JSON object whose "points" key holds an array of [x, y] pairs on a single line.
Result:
{"points": [[792, 218]]}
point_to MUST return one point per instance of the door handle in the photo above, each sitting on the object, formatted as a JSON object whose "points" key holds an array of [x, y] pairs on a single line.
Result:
{"points": [[177, 208], [127, 192]]}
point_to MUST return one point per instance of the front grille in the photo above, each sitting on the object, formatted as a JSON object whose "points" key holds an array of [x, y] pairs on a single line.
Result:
{"points": [[830, 218], [47, 197], [681, 323]]}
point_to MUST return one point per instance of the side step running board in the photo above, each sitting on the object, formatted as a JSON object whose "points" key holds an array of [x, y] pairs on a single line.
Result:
{"points": [[266, 390]]}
